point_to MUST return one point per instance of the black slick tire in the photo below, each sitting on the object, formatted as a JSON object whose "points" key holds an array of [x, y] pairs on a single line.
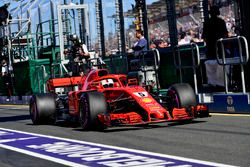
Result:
{"points": [[91, 105], [42, 109]]}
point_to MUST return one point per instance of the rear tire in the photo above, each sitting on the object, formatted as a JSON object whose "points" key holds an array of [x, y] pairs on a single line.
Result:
{"points": [[91, 105], [181, 96], [42, 109]]}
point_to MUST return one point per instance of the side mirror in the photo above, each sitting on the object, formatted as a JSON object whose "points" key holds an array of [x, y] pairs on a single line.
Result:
{"points": [[132, 81]]}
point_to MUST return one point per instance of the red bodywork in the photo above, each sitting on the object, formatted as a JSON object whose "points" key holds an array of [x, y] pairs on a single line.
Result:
{"points": [[136, 105]]}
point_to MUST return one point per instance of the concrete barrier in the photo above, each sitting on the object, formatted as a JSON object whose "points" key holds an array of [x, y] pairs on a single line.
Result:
{"points": [[15, 100]]}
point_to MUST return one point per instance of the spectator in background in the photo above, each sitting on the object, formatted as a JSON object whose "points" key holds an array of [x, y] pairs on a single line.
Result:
{"points": [[5, 16], [152, 45], [214, 29], [183, 39], [159, 43], [6, 79], [192, 36], [78, 56], [141, 43]]}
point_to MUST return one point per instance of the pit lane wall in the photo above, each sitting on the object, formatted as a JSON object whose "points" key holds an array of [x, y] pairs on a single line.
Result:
{"points": [[233, 103], [29, 78], [16, 100]]}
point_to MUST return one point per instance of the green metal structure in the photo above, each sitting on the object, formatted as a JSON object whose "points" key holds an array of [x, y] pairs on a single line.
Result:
{"points": [[33, 50]]}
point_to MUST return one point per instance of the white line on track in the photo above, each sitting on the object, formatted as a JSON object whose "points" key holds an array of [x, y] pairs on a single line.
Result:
{"points": [[101, 145]]}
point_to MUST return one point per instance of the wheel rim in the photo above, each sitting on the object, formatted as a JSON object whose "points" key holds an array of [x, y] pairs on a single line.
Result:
{"points": [[174, 100], [84, 113], [33, 112]]}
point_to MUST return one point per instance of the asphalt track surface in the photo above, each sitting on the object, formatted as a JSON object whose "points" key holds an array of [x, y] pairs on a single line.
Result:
{"points": [[221, 138]]}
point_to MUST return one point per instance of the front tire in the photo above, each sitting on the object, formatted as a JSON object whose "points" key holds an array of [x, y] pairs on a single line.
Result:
{"points": [[42, 109], [181, 96], [91, 105]]}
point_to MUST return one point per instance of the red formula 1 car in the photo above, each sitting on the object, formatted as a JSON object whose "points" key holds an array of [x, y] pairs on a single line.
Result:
{"points": [[100, 100]]}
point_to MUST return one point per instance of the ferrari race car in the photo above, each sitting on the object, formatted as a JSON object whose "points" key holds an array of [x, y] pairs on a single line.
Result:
{"points": [[100, 100]]}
